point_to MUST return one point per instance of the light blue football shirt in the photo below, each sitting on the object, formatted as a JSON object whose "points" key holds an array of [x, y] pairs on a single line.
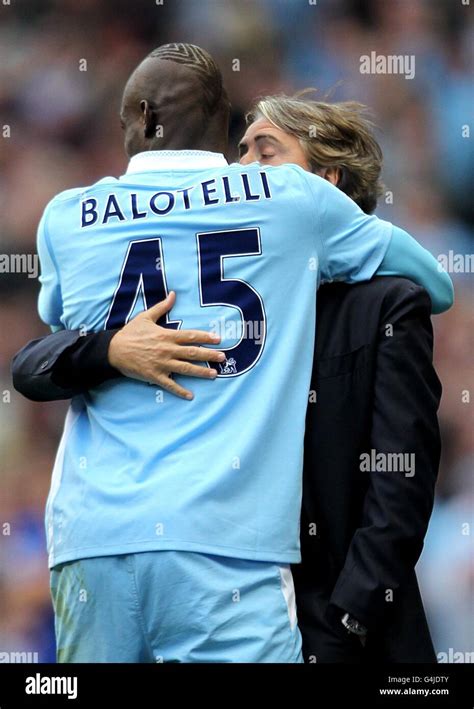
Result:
{"points": [[245, 249]]}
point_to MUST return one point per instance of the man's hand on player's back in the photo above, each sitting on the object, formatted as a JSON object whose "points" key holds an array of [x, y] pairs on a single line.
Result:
{"points": [[146, 351]]}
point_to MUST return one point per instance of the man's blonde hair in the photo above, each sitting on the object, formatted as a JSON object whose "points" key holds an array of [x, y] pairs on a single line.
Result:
{"points": [[331, 135]]}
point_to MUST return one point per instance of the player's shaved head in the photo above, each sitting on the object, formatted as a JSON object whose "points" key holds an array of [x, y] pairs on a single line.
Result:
{"points": [[175, 100]]}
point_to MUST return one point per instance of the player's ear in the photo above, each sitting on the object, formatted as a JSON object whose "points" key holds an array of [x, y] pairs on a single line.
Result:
{"points": [[150, 119]]}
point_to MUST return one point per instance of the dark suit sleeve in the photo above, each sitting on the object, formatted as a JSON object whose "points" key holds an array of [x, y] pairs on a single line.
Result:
{"points": [[63, 364], [397, 506]]}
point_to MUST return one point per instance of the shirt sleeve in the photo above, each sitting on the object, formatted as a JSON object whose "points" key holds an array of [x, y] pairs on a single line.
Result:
{"points": [[64, 364], [49, 299], [353, 244], [406, 257]]}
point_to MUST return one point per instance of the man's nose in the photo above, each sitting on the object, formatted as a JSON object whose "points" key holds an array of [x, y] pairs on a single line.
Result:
{"points": [[247, 159]]}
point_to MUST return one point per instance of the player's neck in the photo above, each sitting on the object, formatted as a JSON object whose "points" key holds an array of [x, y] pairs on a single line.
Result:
{"points": [[188, 136]]}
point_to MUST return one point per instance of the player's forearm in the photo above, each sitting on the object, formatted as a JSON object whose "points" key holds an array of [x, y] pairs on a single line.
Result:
{"points": [[406, 257]]}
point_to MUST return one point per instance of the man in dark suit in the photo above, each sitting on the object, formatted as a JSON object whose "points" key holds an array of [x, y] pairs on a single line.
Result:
{"points": [[372, 440], [362, 530], [374, 402]]}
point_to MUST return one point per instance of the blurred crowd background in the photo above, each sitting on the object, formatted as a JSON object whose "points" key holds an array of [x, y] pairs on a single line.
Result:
{"points": [[63, 131]]}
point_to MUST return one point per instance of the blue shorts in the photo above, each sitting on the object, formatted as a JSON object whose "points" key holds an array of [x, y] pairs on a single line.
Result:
{"points": [[174, 606]]}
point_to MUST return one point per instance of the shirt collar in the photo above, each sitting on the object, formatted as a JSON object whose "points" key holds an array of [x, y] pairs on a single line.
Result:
{"points": [[153, 160]]}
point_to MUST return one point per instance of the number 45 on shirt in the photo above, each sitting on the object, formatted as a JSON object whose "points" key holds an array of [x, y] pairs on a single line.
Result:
{"points": [[143, 273]]}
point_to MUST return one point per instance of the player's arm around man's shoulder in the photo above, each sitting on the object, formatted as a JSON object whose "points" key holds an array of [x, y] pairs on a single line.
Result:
{"points": [[355, 246]]}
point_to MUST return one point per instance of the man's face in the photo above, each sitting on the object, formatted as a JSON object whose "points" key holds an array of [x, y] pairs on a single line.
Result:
{"points": [[265, 143]]}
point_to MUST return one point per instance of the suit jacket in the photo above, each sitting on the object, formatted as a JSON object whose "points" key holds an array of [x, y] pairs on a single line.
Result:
{"points": [[362, 531], [376, 390]]}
